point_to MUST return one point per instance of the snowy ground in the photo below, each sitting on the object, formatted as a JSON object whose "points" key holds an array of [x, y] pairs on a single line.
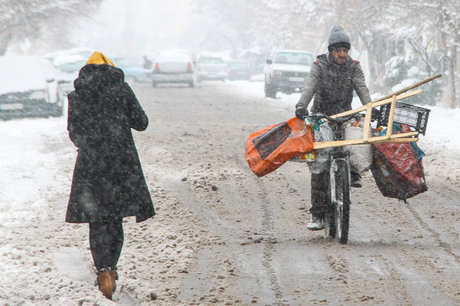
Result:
{"points": [[36, 160]]}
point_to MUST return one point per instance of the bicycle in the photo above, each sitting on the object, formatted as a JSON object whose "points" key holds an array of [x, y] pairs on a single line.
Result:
{"points": [[337, 214], [337, 217]]}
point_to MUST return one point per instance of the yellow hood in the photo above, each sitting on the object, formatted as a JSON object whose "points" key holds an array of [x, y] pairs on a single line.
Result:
{"points": [[98, 58]]}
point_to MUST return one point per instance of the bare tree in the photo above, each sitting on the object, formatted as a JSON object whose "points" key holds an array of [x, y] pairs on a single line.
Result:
{"points": [[31, 20], [431, 26]]}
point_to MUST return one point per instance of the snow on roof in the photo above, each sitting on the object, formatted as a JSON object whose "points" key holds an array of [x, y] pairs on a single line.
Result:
{"points": [[24, 73], [68, 58], [173, 56], [292, 50]]}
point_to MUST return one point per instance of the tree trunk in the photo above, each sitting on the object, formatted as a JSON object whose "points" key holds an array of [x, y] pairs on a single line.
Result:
{"points": [[4, 42], [452, 92]]}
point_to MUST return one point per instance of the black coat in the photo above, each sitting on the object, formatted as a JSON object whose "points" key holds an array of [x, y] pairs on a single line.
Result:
{"points": [[108, 181], [332, 85]]}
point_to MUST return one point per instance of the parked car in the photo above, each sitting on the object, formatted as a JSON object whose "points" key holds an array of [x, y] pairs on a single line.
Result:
{"points": [[68, 66], [211, 68], [286, 71], [28, 88], [239, 70], [173, 68], [132, 70]]}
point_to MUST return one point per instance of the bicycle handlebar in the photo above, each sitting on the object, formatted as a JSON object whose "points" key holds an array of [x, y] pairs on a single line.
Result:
{"points": [[338, 119]]}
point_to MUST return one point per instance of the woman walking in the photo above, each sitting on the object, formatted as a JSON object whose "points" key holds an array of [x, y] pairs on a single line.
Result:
{"points": [[108, 183]]}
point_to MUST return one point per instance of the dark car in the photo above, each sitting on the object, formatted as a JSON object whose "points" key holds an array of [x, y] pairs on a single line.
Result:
{"points": [[239, 70]]}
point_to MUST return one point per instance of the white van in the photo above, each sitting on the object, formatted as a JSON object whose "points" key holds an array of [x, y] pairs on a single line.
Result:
{"points": [[286, 71]]}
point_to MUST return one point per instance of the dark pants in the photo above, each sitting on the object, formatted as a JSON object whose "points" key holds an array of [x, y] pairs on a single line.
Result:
{"points": [[106, 241], [319, 192]]}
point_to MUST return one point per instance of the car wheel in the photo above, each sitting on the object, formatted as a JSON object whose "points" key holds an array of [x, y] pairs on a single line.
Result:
{"points": [[191, 84], [154, 84]]}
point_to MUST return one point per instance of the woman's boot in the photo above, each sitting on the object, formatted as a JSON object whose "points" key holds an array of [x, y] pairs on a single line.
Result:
{"points": [[114, 277], [106, 285]]}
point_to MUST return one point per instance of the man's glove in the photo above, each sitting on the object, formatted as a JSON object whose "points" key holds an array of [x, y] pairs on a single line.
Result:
{"points": [[301, 113], [375, 114]]}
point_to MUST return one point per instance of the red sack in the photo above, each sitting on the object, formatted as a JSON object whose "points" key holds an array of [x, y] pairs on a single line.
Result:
{"points": [[397, 170], [269, 148]]}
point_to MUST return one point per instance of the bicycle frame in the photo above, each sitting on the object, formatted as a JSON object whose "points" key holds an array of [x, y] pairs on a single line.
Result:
{"points": [[337, 214]]}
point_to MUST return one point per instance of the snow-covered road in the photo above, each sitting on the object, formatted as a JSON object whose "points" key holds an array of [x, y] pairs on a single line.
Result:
{"points": [[221, 234]]}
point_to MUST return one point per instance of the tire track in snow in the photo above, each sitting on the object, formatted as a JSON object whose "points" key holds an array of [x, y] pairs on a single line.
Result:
{"points": [[267, 225], [447, 248]]}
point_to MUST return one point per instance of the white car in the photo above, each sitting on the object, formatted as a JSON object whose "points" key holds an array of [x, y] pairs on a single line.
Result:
{"points": [[28, 88], [68, 66], [286, 71], [212, 68], [173, 68]]}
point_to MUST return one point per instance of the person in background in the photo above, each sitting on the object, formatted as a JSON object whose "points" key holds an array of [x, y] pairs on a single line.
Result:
{"points": [[147, 62], [108, 183], [331, 81]]}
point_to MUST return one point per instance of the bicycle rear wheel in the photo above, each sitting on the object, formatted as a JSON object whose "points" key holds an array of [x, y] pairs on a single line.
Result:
{"points": [[340, 199]]}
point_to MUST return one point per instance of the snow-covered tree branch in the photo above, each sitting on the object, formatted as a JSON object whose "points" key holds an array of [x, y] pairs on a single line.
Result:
{"points": [[30, 20]]}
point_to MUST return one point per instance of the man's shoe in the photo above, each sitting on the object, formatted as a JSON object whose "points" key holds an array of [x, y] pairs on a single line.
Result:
{"points": [[357, 183], [316, 223], [356, 180]]}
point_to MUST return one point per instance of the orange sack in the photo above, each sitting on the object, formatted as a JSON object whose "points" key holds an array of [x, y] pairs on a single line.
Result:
{"points": [[269, 148]]}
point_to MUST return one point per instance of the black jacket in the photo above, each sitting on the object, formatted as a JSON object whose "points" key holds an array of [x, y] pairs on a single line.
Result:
{"points": [[332, 85], [108, 181]]}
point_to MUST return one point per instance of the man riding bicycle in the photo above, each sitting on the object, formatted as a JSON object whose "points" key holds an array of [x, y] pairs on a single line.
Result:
{"points": [[332, 79]]}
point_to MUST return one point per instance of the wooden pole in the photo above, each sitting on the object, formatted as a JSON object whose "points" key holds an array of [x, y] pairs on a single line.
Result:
{"points": [[401, 137], [391, 116], [410, 87]]}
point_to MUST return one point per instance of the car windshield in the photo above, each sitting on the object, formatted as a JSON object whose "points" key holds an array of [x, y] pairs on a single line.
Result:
{"points": [[239, 65], [294, 58], [210, 60], [124, 62], [69, 63], [70, 67]]}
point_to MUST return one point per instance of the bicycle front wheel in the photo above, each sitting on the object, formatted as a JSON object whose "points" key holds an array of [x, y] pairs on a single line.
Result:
{"points": [[340, 199]]}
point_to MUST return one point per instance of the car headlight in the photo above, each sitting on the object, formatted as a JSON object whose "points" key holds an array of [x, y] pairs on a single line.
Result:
{"points": [[277, 73]]}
